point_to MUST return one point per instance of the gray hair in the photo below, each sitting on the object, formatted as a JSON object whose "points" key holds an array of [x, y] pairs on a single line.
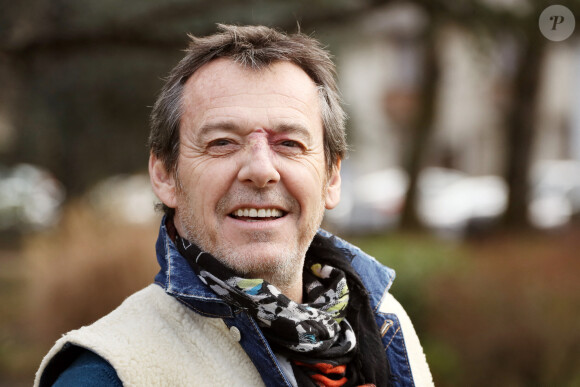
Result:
{"points": [[254, 47]]}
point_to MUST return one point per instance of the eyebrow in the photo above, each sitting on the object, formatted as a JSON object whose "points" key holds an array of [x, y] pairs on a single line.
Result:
{"points": [[232, 126]]}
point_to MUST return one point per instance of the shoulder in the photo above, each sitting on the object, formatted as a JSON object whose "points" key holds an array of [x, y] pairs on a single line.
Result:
{"points": [[154, 339], [112, 334], [393, 310], [90, 370]]}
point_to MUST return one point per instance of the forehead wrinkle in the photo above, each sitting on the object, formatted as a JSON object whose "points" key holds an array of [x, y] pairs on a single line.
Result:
{"points": [[282, 114], [272, 113], [216, 101]]}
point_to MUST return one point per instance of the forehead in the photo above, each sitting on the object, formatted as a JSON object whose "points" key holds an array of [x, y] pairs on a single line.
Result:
{"points": [[223, 88]]}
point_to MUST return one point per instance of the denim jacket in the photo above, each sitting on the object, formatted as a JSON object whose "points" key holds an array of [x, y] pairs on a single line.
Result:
{"points": [[178, 280]]}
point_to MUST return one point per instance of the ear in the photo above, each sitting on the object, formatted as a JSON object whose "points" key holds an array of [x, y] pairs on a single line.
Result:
{"points": [[162, 181], [333, 188]]}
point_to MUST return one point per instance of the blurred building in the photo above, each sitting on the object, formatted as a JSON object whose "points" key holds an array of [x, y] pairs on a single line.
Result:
{"points": [[380, 73]]}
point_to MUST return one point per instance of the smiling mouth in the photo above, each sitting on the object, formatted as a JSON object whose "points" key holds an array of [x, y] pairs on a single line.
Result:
{"points": [[257, 214]]}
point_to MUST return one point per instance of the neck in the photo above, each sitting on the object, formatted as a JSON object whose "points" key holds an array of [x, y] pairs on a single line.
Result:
{"points": [[294, 293], [291, 289]]}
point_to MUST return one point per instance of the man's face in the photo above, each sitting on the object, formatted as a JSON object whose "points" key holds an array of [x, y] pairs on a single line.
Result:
{"points": [[252, 183]]}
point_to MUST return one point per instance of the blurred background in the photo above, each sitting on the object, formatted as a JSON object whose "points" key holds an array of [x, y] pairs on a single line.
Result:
{"points": [[463, 175]]}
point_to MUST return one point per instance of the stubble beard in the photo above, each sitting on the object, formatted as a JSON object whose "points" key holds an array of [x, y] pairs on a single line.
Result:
{"points": [[282, 267]]}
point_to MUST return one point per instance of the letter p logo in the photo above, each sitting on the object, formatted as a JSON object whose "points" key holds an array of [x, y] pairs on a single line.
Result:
{"points": [[557, 23]]}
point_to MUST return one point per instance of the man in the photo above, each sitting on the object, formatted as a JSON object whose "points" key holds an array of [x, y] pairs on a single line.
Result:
{"points": [[246, 144]]}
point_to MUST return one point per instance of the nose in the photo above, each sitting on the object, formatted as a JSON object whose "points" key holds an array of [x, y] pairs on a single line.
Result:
{"points": [[258, 166]]}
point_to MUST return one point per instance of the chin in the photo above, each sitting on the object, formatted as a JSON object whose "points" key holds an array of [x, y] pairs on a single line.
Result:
{"points": [[278, 264]]}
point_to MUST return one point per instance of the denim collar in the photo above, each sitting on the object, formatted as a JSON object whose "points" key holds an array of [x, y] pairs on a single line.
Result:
{"points": [[179, 280], [376, 277]]}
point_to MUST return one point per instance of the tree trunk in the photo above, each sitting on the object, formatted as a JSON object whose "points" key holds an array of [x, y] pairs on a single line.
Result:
{"points": [[520, 134], [421, 128]]}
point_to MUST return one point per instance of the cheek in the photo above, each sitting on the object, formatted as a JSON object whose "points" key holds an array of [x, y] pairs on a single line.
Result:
{"points": [[306, 185], [205, 183], [193, 187]]}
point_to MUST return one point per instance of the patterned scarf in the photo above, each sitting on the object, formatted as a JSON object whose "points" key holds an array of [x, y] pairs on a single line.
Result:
{"points": [[315, 335]]}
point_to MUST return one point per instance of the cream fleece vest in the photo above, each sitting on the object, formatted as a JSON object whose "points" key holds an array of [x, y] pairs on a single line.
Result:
{"points": [[151, 339]]}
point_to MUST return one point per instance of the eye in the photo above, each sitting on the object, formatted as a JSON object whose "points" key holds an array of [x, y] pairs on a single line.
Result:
{"points": [[221, 146], [291, 144], [290, 147], [220, 142]]}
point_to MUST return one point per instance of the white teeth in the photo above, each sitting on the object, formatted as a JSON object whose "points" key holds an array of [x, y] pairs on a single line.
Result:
{"points": [[258, 213]]}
